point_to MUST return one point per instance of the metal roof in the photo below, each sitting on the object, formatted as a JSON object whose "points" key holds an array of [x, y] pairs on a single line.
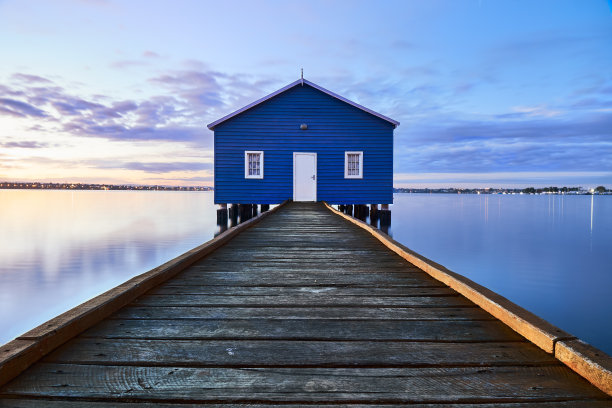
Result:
{"points": [[212, 125]]}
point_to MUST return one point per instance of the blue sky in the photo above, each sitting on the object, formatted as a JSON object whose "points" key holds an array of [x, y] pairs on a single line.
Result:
{"points": [[488, 92]]}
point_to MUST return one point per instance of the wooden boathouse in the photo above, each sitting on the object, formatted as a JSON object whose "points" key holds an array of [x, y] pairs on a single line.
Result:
{"points": [[302, 305], [303, 143]]}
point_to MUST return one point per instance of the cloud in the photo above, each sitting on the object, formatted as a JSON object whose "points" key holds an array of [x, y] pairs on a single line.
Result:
{"points": [[32, 79], [29, 144], [201, 89], [154, 167], [121, 64], [21, 109], [150, 54], [163, 167], [175, 114], [583, 143]]}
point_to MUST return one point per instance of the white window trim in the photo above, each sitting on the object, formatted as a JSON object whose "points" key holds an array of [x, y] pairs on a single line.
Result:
{"points": [[346, 175], [246, 164]]}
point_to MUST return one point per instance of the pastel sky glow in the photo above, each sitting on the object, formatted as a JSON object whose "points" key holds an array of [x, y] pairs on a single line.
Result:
{"points": [[488, 92]]}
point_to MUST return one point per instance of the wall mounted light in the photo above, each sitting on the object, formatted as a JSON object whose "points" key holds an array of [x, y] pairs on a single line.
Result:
{"points": [[303, 126]]}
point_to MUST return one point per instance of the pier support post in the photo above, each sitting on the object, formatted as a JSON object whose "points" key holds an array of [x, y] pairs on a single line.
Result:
{"points": [[356, 210], [222, 214], [385, 216], [233, 215], [265, 207], [373, 210], [349, 210], [374, 215], [242, 209]]}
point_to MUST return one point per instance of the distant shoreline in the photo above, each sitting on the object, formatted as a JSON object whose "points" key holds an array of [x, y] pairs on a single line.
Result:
{"points": [[450, 190], [83, 186], [524, 191]]}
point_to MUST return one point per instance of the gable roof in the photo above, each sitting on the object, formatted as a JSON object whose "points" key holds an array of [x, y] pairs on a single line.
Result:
{"points": [[212, 125]]}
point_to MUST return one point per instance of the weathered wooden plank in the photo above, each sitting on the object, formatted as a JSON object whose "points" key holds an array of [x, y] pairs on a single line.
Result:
{"points": [[311, 268], [249, 353], [193, 384], [311, 299], [260, 278], [171, 289], [327, 312], [445, 330], [296, 259], [586, 360], [48, 403]]}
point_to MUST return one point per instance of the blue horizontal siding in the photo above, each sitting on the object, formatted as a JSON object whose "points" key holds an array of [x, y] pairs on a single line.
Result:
{"points": [[333, 128]]}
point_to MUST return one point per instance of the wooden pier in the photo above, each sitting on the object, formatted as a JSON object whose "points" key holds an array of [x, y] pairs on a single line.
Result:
{"points": [[303, 307]]}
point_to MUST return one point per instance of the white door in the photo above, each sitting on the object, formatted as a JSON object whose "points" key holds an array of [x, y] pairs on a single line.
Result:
{"points": [[304, 177]]}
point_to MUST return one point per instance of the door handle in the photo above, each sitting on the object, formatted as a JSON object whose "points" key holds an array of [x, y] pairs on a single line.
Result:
{"points": [[314, 177]]}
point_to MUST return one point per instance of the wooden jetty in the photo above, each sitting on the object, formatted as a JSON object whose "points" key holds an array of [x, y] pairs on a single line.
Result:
{"points": [[299, 307]]}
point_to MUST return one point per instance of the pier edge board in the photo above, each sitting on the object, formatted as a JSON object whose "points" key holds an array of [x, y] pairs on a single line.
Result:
{"points": [[26, 349], [589, 362]]}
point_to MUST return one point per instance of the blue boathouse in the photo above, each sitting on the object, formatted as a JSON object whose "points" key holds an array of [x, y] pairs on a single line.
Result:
{"points": [[304, 143]]}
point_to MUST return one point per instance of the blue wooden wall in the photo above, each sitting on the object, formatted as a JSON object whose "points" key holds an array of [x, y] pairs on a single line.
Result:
{"points": [[333, 128]]}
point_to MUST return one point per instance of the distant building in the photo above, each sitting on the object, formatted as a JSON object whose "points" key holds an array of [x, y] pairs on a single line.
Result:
{"points": [[304, 143]]}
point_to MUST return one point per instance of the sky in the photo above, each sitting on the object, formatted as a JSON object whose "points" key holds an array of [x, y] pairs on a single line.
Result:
{"points": [[489, 93]]}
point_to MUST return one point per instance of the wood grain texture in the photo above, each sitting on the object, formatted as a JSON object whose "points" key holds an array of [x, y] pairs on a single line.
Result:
{"points": [[586, 360], [302, 299], [250, 353], [438, 330], [303, 384], [259, 322], [67, 403], [282, 313], [170, 289]]}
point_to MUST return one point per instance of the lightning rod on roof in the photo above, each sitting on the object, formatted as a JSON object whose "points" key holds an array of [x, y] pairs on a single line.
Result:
{"points": [[302, 76]]}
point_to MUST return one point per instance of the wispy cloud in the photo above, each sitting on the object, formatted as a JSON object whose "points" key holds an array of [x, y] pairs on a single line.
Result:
{"points": [[26, 144], [21, 109], [163, 167], [31, 79]]}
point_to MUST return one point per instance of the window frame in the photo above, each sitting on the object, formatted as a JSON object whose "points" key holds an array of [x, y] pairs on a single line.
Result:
{"points": [[246, 164], [346, 169]]}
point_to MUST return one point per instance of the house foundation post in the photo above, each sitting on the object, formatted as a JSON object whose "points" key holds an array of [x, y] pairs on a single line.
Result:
{"points": [[222, 214], [233, 215], [385, 216], [374, 215]]}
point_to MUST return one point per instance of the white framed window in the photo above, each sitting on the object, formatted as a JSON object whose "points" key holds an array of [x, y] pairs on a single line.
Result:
{"points": [[253, 164], [353, 165]]}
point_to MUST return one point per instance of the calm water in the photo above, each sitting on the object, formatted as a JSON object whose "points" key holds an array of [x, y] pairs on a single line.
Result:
{"points": [[550, 254], [60, 248]]}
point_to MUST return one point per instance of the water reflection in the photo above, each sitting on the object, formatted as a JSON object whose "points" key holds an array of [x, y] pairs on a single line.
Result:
{"points": [[60, 248], [550, 254]]}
